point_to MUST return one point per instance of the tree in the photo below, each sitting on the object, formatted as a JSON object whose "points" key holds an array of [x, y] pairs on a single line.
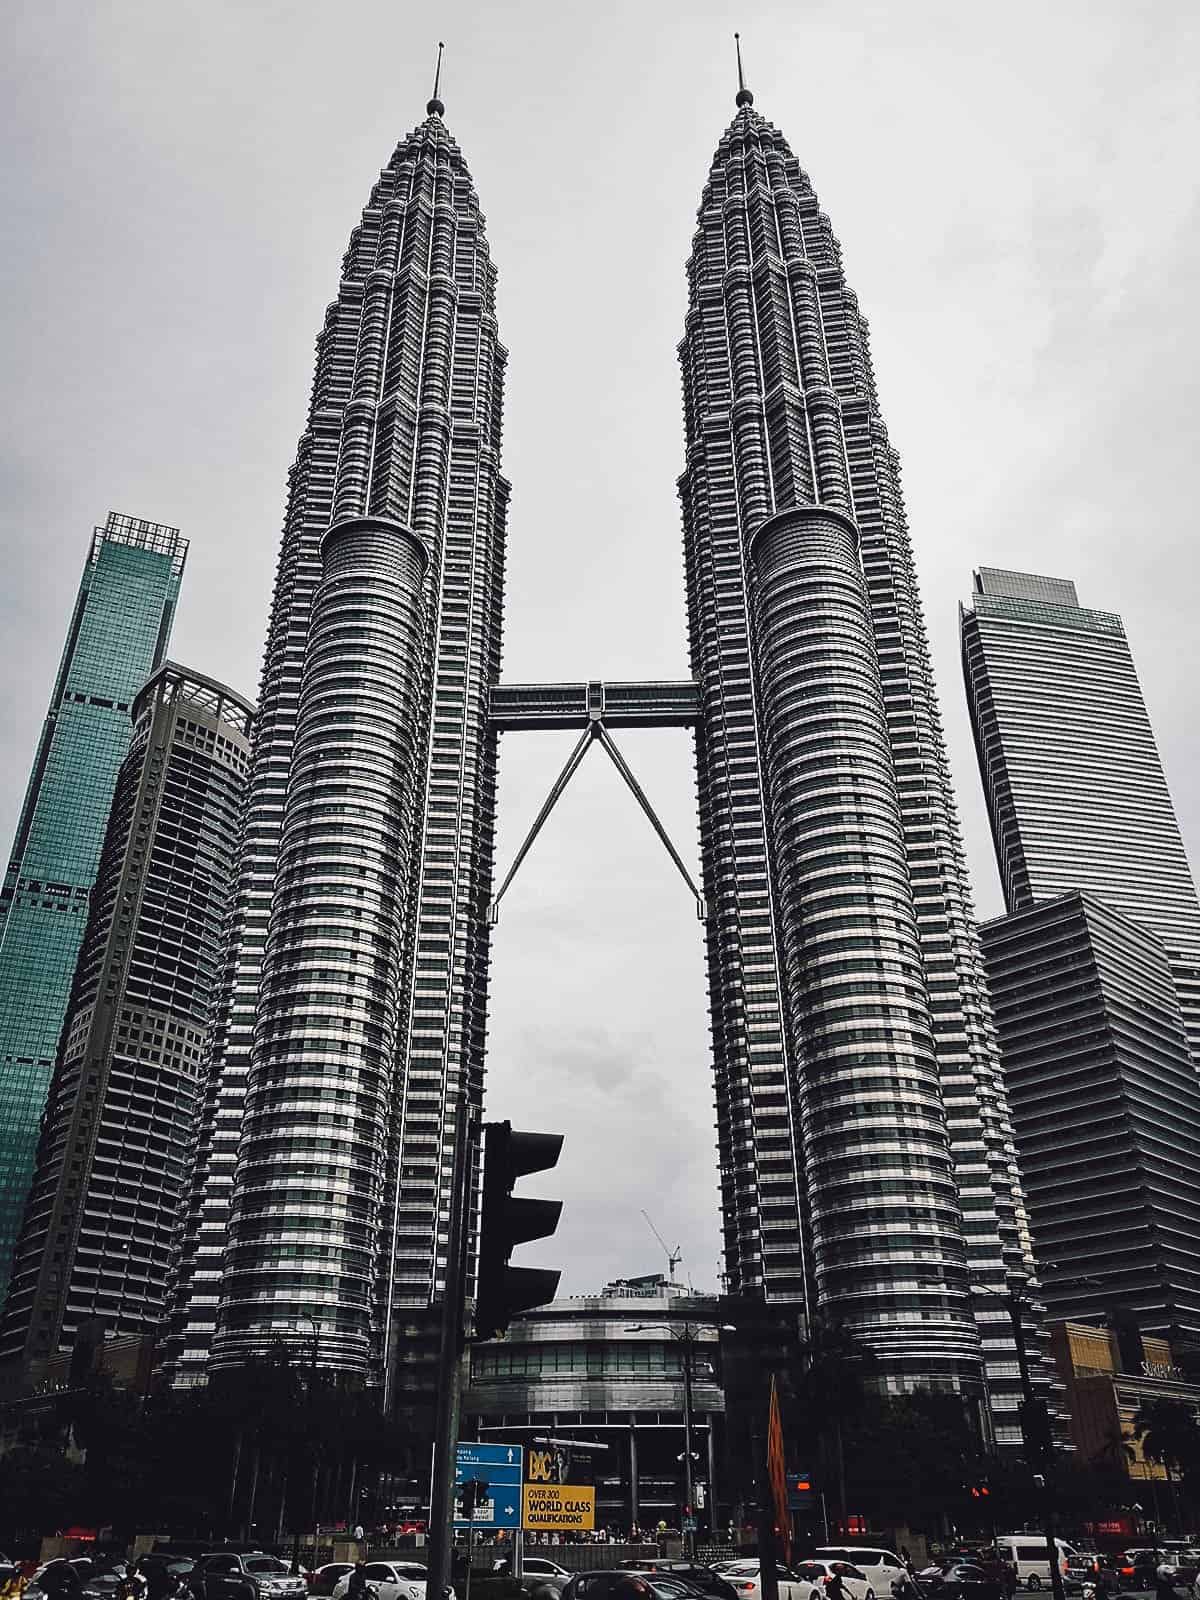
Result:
{"points": [[1169, 1434]]}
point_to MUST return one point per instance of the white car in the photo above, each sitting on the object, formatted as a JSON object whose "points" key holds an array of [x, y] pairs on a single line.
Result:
{"points": [[806, 1581], [391, 1580], [816, 1574], [882, 1567]]}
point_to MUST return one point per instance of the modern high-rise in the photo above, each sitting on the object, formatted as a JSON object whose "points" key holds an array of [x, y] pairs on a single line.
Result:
{"points": [[118, 634], [867, 1161], [120, 1120], [369, 817], [1106, 1105], [1075, 788]]}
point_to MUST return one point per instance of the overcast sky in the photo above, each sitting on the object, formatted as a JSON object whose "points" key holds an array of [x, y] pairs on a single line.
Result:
{"points": [[1015, 191]]}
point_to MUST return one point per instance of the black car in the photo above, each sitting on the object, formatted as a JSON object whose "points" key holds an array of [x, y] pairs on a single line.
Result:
{"points": [[960, 1580], [164, 1572], [610, 1584], [702, 1579]]}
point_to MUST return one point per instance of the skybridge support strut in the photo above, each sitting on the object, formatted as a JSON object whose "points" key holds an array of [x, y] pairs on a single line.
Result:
{"points": [[596, 731]]}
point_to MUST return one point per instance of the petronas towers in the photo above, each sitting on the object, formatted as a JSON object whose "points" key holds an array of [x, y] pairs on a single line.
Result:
{"points": [[866, 1156]]}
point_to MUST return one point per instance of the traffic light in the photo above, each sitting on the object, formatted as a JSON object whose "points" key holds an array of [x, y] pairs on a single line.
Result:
{"points": [[474, 1494], [801, 1495], [508, 1220]]}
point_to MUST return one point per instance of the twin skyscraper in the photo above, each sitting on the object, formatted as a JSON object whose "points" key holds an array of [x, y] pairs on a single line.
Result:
{"points": [[867, 1162]]}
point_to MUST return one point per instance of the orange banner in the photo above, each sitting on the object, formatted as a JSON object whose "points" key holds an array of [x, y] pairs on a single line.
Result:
{"points": [[777, 1472]]}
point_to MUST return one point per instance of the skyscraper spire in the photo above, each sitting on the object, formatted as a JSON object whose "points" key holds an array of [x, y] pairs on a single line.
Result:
{"points": [[435, 108], [744, 97]]}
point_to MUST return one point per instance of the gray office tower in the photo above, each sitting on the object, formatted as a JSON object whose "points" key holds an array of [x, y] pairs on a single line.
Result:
{"points": [[1094, 972], [361, 924], [116, 1139], [117, 635], [1106, 1105], [1075, 788], [867, 1161], [867, 1158]]}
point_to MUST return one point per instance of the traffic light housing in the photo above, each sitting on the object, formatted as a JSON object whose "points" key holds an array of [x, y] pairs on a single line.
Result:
{"points": [[508, 1220], [474, 1494]]}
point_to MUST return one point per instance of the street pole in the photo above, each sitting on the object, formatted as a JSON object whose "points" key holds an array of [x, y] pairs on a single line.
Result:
{"points": [[450, 1347], [312, 1378], [1035, 1430], [689, 1488]]}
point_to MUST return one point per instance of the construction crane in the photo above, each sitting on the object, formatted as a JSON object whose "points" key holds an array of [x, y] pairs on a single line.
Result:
{"points": [[674, 1257]]}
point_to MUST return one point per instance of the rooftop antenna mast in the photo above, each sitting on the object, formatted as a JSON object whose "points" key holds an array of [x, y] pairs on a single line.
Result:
{"points": [[674, 1257], [744, 97], [435, 108]]}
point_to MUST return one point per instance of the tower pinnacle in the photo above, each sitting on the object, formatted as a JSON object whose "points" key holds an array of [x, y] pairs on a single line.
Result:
{"points": [[435, 108], [744, 97]]}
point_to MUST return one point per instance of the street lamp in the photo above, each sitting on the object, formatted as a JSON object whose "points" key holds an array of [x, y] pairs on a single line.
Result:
{"points": [[310, 1386], [685, 1337], [1035, 1422]]}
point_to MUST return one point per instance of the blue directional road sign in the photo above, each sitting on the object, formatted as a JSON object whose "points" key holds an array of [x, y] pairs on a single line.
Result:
{"points": [[502, 1468]]}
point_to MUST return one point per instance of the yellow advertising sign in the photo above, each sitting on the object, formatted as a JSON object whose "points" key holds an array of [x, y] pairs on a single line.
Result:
{"points": [[558, 1506]]}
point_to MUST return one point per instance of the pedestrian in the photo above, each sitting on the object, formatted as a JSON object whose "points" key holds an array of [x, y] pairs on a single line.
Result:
{"points": [[835, 1589], [1164, 1583], [906, 1587], [358, 1588], [61, 1581], [1107, 1583]]}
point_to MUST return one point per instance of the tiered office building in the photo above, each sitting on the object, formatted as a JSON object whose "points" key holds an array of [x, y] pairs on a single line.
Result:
{"points": [[117, 635], [379, 855], [1106, 1105], [1075, 788], [1095, 972], [867, 1159], [117, 1135]]}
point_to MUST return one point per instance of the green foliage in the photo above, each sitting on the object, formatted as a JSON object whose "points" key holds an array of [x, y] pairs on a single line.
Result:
{"points": [[169, 1463], [1169, 1434], [39, 1489]]}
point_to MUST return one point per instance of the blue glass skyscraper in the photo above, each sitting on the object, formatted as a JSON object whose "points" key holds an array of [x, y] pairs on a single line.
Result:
{"points": [[117, 636]]}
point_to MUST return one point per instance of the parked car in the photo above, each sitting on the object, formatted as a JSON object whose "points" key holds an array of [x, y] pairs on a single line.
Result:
{"points": [[705, 1580], [805, 1581], [324, 1580], [538, 1575], [1136, 1568], [882, 1566], [165, 1561], [392, 1580], [669, 1586], [60, 1576], [105, 1578], [254, 1575], [745, 1578], [610, 1583], [960, 1580]]}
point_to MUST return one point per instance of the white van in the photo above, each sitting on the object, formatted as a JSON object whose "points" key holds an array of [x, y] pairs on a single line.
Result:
{"points": [[1027, 1552]]}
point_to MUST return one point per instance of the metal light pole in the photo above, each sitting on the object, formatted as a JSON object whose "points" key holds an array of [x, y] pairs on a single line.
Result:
{"points": [[687, 1343], [450, 1348], [311, 1386], [1035, 1427], [685, 1337]]}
